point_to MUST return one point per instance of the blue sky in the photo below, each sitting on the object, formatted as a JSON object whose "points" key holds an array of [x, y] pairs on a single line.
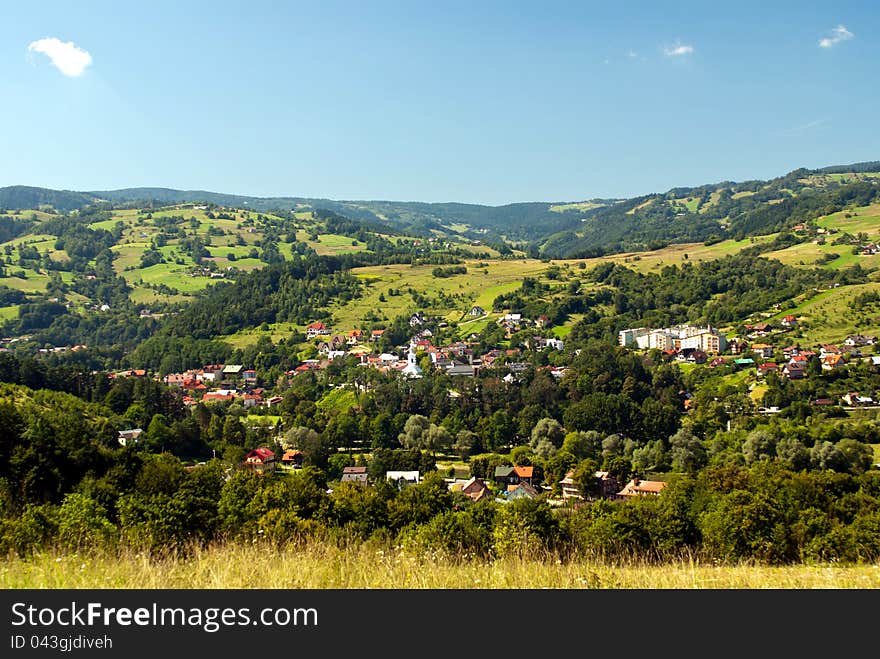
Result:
{"points": [[482, 102]]}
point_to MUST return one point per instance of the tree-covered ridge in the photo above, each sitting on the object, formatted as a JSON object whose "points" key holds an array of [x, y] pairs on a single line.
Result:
{"points": [[23, 196], [710, 213], [719, 292], [296, 291], [558, 229]]}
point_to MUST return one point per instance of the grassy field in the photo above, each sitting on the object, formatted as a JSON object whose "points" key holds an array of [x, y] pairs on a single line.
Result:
{"points": [[480, 286], [675, 254], [7, 313], [323, 566], [864, 218], [337, 400], [810, 254], [576, 206], [827, 317]]}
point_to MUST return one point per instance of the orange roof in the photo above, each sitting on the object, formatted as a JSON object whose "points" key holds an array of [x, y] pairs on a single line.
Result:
{"points": [[524, 472], [637, 486]]}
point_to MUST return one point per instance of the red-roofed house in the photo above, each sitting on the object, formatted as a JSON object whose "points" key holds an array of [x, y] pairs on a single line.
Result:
{"points": [[261, 460], [316, 329], [767, 367]]}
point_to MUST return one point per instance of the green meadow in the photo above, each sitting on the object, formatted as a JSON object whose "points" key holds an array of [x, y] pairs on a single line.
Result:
{"points": [[675, 254], [576, 206], [459, 293], [313, 564], [828, 317], [863, 219]]}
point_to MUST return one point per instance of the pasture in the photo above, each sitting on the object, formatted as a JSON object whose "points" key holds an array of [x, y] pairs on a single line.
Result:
{"points": [[322, 565]]}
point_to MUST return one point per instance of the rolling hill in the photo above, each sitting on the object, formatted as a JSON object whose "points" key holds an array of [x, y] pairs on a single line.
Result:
{"points": [[555, 229], [112, 268]]}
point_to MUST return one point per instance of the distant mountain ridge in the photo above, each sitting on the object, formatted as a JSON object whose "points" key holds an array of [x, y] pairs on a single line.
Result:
{"points": [[554, 229]]}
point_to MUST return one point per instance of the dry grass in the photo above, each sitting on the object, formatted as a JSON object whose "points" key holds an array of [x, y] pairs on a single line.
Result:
{"points": [[323, 566]]}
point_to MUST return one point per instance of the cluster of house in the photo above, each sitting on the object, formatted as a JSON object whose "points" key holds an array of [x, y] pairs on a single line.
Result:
{"points": [[457, 358], [515, 322], [217, 382], [699, 344], [513, 482]]}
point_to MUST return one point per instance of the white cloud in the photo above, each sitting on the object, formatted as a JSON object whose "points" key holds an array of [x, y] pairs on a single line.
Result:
{"points": [[67, 57], [838, 34], [679, 49], [632, 54]]}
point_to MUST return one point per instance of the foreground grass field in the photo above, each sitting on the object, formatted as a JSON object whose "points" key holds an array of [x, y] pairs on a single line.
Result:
{"points": [[320, 566]]}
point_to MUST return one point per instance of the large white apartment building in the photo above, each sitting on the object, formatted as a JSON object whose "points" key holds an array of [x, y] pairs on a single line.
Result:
{"points": [[708, 339]]}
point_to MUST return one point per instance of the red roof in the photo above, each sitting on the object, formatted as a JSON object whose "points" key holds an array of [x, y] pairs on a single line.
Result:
{"points": [[261, 454], [213, 395]]}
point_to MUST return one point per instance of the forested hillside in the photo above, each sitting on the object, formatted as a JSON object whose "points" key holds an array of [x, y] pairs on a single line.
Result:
{"points": [[176, 375]]}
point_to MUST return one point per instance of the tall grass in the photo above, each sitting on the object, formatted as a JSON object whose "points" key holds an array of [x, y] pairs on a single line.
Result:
{"points": [[316, 565]]}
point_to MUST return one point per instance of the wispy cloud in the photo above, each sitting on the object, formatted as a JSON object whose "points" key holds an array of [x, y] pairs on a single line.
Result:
{"points": [[838, 34], [67, 57], [802, 128]]}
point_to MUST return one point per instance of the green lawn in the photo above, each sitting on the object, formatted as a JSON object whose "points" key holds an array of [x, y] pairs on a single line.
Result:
{"points": [[678, 253]]}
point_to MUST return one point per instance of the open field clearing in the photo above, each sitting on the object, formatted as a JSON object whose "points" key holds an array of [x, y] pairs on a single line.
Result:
{"points": [[810, 255], [32, 282], [323, 566], [864, 218], [676, 254], [479, 286], [828, 317], [576, 206], [329, 244], [41, 241], [250, 337]]}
